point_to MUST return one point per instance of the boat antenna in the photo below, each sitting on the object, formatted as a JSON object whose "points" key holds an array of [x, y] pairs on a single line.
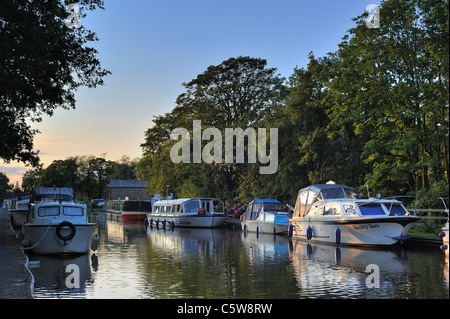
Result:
{"points": [[368, 194]]}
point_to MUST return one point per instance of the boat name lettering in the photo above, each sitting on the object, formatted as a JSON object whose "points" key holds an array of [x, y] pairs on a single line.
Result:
{"points": [[365, 226]]}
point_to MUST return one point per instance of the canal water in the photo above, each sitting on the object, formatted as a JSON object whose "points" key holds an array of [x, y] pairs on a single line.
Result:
{"points": [[134, 262]]}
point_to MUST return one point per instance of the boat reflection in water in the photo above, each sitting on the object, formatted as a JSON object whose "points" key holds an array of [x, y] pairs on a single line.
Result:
{"points": [[62, 277], [327, 271], [225, 263]]}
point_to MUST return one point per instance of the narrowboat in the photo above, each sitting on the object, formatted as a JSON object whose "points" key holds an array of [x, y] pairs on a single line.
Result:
{"points": [[130, 209]]}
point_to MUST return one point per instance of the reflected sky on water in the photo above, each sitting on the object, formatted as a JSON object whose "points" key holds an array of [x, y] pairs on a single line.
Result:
{"points": [[135, 262]]}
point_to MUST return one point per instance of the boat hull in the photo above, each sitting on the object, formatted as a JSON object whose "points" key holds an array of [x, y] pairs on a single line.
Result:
{"points": [[18, 217], [134, 216], [264, 227], [359, 231], [201, 221], [43, 239]]}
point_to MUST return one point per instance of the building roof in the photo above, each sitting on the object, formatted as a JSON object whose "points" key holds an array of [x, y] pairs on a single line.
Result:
{"points": [[120, 183]]}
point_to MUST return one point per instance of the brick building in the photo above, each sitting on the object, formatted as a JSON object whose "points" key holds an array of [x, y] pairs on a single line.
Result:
{"points": [[119, 189]]}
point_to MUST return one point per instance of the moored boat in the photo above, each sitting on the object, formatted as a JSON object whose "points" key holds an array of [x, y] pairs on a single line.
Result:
{"points": [[188, 212], [331, 213], [55, 224], [130, 210], [19, 213], [265, 216]]}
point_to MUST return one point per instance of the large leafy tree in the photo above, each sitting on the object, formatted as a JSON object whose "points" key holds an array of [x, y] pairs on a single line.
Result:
{"points": [[239, 92], [390, 87], [43, 60]]}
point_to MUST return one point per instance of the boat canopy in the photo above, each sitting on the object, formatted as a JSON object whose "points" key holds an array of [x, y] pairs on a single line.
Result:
{"points": [[64, 194], [255, 207], [314, 193]]}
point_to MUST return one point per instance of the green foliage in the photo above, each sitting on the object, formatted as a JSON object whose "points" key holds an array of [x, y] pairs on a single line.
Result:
{"points": [[375, 112], [87, 175], [42, 63]]}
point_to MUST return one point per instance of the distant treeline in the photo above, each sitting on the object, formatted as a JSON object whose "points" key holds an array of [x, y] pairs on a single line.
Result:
{"points": [[87, 175], [375, 113]]}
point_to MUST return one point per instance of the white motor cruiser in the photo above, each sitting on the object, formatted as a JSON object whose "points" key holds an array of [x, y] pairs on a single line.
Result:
{"points": [[56, 224], [332, 213], [20, 212], [265, 216], [188, 212]]}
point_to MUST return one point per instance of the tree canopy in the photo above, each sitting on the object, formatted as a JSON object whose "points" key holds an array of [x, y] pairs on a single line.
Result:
{"points": [[375, 112], [42, 63]]}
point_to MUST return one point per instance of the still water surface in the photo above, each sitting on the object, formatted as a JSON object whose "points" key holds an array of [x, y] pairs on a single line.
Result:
{"points": [[135, 262]]}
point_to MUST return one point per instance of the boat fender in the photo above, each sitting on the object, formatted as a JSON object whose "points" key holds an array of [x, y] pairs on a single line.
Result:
{"points": [[444, 247], [338, 236], [442, 234], [72, 233], [309, 233], [245, 228], [95, 240], [274, 230], [291, 230]]}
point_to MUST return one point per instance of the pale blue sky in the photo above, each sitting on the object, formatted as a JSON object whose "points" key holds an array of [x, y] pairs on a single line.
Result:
{"points": [[152, 47]]}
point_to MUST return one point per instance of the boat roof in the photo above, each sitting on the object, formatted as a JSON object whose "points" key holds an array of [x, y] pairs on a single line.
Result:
{"points": [[38, 193], [264, 200], [319, 187], [180, 200]]}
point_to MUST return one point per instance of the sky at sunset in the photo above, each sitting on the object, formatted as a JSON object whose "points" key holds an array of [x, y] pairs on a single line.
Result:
{"points": [[152, 47]]}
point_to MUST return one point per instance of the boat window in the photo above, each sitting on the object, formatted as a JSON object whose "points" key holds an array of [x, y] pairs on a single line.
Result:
{"points": [[72, 211], [256, 208], [349, 210], [395, 210], [269, 217], [48, 211], [353, 193], [371, 209], [333, 193], [273, 207], [304, 202], [168, 209], [176, 208], [156, 209], [131, 206], [191, 207], [331, 211], [205, 205], [218, 206]]}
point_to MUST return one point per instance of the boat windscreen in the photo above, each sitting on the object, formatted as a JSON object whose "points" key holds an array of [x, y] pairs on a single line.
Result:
{"points": [[273, 207], [337, 193]]}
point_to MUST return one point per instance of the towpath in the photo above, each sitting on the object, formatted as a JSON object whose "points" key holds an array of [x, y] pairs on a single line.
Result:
{"points": [[15, 278]]}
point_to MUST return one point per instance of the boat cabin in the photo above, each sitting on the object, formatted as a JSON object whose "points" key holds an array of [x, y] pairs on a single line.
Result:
{"points": [[332, 200], [265, 209], [54, 204], [51, 194], [189, 206]]}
